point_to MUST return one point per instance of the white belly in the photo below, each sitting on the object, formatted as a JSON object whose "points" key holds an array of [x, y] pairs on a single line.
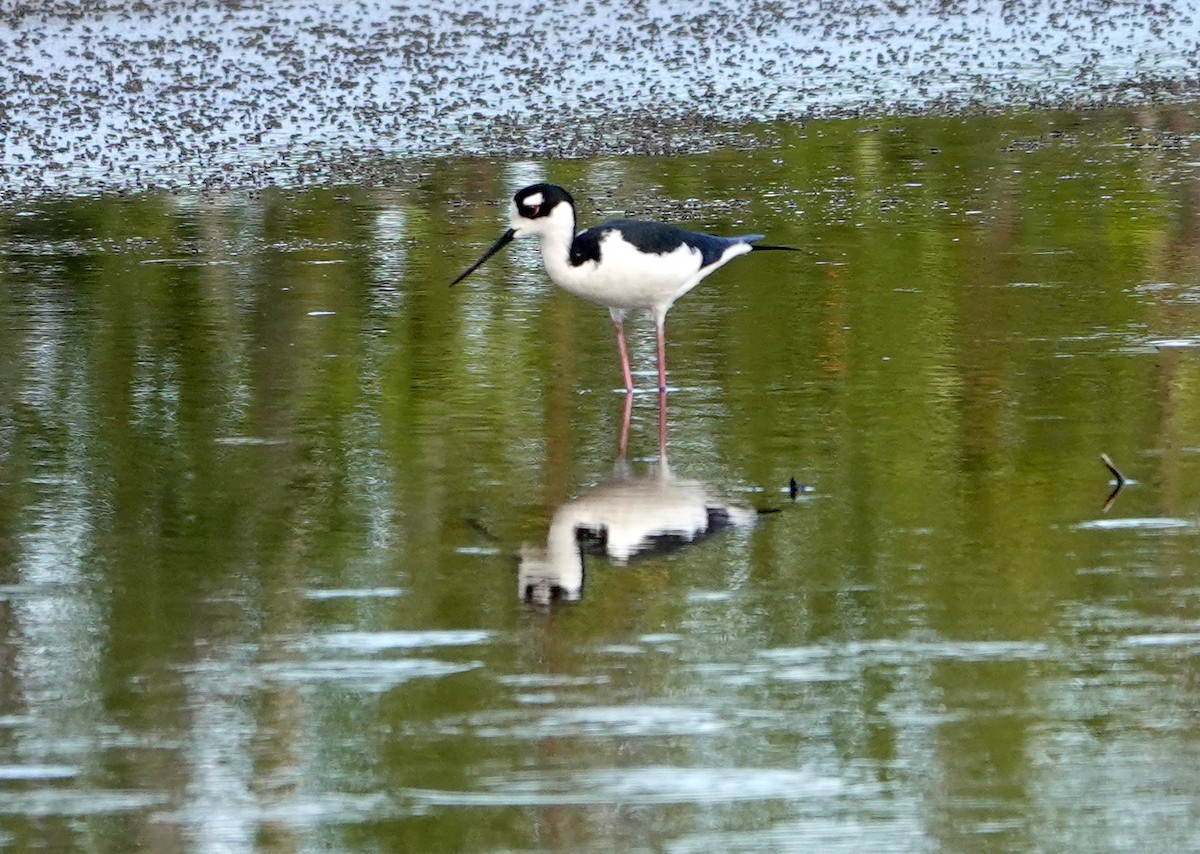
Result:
{"points": [[625, 278]]}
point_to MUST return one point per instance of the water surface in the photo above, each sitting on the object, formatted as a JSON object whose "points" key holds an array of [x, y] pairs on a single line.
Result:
{"points": [[268, 485]]}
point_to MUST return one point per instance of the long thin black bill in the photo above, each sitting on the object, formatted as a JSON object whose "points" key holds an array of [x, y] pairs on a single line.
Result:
{"points": [[496, 247]]}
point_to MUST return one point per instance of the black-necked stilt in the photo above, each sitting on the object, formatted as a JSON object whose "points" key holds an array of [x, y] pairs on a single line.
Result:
{"points": [[622, 265]]}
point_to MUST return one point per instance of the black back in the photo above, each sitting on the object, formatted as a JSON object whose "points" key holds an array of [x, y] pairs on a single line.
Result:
{"points": [[653, 238]]}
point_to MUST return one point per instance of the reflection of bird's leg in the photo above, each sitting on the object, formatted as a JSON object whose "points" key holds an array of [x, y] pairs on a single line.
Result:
{"points": [[623, 442]]}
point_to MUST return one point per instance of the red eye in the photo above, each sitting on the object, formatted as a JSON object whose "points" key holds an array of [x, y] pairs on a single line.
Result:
{"points": [[533, 209]]}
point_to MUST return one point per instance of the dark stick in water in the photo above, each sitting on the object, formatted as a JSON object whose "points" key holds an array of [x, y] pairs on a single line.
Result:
{"points": [[1104, 458]]}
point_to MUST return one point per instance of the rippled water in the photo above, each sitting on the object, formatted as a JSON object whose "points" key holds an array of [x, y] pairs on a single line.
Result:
{"points": [[302, 549]]}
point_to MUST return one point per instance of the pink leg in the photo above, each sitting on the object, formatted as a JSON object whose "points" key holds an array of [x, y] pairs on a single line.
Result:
{"points": [[662, 358], [659, 328], [624, 356]]}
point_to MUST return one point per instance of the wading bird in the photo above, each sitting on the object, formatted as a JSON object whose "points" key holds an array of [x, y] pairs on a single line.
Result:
{"points": [[623, 265]]}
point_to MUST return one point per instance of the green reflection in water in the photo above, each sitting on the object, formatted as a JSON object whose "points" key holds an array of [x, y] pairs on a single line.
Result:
{"points": [[238, 432]]}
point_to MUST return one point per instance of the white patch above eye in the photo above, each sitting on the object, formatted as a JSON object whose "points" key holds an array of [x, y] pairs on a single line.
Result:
{"points": [[533, 201]]}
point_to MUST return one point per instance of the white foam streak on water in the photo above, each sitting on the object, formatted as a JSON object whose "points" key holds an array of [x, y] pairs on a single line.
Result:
{"points": [[367, 676], [630, 721], [1167, 639], [907, 652], [370, 642], [1153, 523], [329, 593], [642, 786], [37, 772], [45, 803]]}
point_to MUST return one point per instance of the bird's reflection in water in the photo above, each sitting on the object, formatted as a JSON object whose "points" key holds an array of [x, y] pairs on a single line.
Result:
{"points": [[628, 516]]}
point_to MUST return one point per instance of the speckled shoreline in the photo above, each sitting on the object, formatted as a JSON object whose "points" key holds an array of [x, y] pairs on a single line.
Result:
{"points": [[105, 97]]}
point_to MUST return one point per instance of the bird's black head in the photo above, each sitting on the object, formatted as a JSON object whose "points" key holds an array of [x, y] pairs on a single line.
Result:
{"points": [[533, 213], [538, 200]]}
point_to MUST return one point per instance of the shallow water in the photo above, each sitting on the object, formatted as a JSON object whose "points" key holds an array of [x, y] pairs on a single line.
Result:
{"points": [[273, 497]]}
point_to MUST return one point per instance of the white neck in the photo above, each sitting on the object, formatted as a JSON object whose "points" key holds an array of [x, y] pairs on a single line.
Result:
{"points": [[556, 232]]}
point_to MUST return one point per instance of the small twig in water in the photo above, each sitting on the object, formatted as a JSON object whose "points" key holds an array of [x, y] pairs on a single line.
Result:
{"points": [[1112, 496], [1112, 467]]}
